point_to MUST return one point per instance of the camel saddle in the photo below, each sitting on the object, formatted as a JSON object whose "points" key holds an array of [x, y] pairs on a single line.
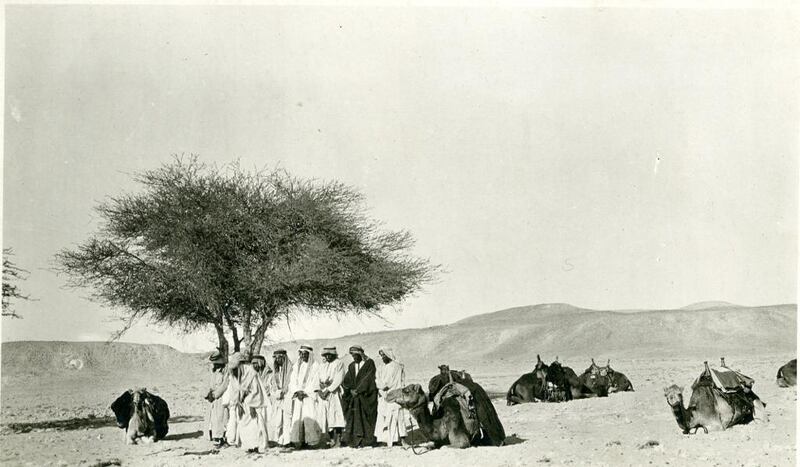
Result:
{"points": [[724, 379], [466, 403]]}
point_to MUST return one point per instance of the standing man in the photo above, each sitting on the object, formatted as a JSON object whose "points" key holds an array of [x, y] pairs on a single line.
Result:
{"points": [[217, 414], [361, 400], [391, 425], [302, 384], [244, 397], [330, 415], [263, 373], [280, 416]]}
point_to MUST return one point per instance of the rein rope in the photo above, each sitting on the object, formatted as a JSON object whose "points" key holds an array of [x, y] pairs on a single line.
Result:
{"points": [[415, 445]]}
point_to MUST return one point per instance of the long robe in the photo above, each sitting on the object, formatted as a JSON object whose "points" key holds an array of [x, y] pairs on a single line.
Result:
{"points": [[361, 409], [244, 397], [330, 413], [392, 419], [263, 412], [217, 413], [280, 412], [304, 412]]}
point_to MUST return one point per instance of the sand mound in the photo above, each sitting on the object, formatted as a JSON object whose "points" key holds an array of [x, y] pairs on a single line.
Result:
{"points": [[35, 357]]}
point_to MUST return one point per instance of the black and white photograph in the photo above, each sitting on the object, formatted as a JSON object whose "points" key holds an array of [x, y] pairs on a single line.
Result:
{"points": [[420, 233]]}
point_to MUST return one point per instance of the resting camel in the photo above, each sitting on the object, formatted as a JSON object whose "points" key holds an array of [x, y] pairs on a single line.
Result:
{"points": [[787, 374], [617, 382], [530, 387], [565, 385], [142, 415], [596, 380], [710, 407], [448, 425]]}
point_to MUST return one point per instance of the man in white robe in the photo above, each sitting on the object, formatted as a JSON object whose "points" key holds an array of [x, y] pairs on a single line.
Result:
{"points": [[330, 415], [217, 414], [263, 373], [280, 415], [244, 397], [302, 384], [392, 419]]}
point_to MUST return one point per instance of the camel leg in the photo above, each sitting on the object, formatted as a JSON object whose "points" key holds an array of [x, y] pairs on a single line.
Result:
{"points": [[458, 440], [759, 411]]}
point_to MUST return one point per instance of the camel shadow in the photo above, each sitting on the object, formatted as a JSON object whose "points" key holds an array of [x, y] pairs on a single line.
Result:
{"points": [[182, 436], [513, 439]]}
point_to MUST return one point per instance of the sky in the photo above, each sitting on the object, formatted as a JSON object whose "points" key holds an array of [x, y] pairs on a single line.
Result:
{"points": [[608, 158]]}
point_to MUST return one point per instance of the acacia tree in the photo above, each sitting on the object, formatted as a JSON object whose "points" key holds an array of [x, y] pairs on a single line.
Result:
{"points": [[238, 251], [11, 291]]}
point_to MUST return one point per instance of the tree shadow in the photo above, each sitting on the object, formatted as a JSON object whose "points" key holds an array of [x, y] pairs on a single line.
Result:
{"points": [[180, 436], [514, 439], [81, 423], [185, 419], [63, 425]]}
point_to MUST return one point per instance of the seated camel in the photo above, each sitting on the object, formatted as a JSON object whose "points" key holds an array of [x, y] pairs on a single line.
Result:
{"points": [[564, 385], [530, 387], [142, 415], [787, 374], [617, 382], [596, 380], [453, 423], [720, 399]]}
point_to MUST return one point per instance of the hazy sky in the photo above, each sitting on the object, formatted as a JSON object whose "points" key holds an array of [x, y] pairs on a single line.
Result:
{"points": [[607, 158]]}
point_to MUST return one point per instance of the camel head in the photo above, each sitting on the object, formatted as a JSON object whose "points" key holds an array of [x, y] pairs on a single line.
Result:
{"points": [[674, 395], [540, 365], [408, 397]]}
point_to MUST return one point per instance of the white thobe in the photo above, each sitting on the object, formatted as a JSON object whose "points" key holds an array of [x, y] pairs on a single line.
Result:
{"points": [[280, 414], [243, 397], [392, 418], [329, 411], [304, 423]]}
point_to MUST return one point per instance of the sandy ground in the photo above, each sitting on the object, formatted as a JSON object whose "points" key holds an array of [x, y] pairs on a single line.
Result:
{"points": [[63, 420]]}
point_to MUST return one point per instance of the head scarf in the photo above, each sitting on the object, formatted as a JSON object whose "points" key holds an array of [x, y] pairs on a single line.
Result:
{"points": [[310, 351], [389, 353], [280, 376], [236, 359]]}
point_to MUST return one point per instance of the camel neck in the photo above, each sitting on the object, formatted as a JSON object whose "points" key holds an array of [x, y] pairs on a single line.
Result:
{"points": [[424, 418], [681, 415]]}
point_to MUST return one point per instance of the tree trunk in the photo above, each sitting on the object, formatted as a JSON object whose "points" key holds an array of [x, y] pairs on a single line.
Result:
{"points": [[258, 336], [234, 332], [247, 336], [223, 342]]}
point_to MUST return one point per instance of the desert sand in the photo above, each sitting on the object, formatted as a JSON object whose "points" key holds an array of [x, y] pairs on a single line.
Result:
{"points": [[55, 395]]}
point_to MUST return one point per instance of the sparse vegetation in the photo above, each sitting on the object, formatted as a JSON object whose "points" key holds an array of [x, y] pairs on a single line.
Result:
{"points": [[12, 274], [234, 250]]}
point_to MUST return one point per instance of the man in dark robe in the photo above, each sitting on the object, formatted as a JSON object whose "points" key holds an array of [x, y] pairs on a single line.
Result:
{"points": [[360, 399]]}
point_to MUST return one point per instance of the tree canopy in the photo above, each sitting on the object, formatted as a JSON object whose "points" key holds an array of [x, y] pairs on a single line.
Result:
{"points": [[12, 274], [204, 246]]}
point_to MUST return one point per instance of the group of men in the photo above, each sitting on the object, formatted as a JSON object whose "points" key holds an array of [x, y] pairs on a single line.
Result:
{"points": [[306, 403]]}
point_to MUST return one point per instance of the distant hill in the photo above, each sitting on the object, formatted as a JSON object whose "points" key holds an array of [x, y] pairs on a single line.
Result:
{"points": [[709, 305], [34, 357], [518, 334], [507, 338]]}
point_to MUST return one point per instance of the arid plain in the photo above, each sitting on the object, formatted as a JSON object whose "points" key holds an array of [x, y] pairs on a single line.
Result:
{"points": [[55, 395]]}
